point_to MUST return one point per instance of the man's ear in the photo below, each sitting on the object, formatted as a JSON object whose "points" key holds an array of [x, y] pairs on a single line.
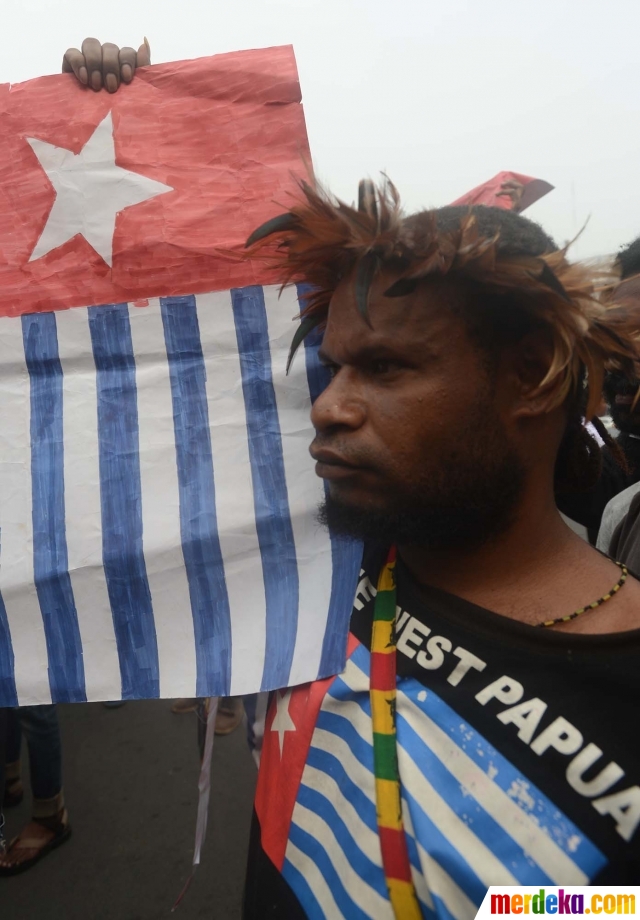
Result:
{"points": [[530, 361]]}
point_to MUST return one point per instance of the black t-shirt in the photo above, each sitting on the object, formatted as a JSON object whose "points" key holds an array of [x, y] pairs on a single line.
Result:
{"points": [[519, 758]]}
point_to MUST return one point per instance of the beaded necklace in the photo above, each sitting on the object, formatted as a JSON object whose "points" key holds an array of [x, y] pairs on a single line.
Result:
{"points": [[598, 603]]}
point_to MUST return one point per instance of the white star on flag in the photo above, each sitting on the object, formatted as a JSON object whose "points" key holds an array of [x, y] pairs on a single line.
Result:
{"points": [[282, 721], [90, 191]]}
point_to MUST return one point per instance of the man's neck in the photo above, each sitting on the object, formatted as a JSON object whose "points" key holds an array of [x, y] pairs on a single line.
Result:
{"points": [[537, 569]]}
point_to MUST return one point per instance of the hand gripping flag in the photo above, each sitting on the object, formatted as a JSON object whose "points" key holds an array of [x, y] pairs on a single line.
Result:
{"points": [[157, 499]]}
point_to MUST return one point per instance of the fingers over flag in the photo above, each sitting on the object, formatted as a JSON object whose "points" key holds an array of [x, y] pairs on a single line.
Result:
{"points": [[105, 65]]}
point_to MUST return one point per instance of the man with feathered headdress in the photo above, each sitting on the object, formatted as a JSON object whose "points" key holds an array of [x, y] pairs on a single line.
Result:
{"points": [[492, 713], [482, 732]]}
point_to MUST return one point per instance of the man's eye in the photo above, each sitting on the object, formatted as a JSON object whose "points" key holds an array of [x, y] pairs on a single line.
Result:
{"points": [[382, 367]]}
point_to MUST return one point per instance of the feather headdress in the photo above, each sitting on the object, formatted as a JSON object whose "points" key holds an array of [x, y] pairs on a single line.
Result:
{"points": [[322, 240]]}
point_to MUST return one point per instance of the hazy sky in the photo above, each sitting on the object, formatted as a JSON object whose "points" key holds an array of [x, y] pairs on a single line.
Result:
{"points": [[442, 95]]}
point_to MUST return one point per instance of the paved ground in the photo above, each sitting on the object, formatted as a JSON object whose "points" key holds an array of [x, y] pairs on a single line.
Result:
{"points": [[131, 787]]}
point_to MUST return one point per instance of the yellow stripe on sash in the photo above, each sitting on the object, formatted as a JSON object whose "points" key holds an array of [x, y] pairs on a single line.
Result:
{"points": [[382, 637], [388, 807], [387, 580], [382, 702], [403, 899]]}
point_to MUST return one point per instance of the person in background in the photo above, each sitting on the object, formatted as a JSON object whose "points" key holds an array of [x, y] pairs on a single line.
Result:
{"points": [[620, 391], [602, 507], [623, 543], [228, 716], [49, 826], [586, 504], [3, 749], [614, 513], [622, 394]]}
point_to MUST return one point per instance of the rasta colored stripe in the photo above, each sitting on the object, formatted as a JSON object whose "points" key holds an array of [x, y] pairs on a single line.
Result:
{"points": [[393, 843]]}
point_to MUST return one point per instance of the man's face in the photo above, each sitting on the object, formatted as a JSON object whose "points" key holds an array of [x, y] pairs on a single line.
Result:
{"points": [[409, 433]]}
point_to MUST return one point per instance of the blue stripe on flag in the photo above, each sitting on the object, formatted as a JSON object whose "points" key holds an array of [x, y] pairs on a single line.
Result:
{"points": [[359, 862], [414, 859], [341, 726], [318, 855], [121, 501], [444, 852], [331, 765], [50, 560], [299, 884], [198, 522], [8, 693], [346, 554], [271, 501]]}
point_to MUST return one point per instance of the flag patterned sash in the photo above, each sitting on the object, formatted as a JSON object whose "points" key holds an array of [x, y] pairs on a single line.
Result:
{"points": [[393, 843]]}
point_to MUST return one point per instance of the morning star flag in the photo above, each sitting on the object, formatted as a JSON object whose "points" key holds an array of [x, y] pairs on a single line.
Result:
{"points": [[525, 191], [157, 498]]}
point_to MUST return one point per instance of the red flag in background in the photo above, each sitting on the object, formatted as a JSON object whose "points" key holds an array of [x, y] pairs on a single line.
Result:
{"points": [[508, 190], [107, 198]]}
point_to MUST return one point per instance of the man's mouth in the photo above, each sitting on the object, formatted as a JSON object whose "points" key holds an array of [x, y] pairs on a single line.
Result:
{"points": [[330, 465]]}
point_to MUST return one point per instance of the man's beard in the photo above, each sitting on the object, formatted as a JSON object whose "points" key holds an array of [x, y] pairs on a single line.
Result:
{"points": [[469, 500]]}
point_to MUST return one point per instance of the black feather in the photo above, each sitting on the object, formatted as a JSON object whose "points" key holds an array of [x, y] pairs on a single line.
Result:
{"points": [[367, 198], [275, 225], [366, 272], [548, 277], [307, 324]]}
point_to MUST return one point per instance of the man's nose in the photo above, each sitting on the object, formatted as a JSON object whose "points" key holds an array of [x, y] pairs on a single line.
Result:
{"points": [[341, 405]]}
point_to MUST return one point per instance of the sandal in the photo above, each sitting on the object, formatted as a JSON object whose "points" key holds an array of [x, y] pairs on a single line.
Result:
{"points": [[13, 792], [61, 832]]}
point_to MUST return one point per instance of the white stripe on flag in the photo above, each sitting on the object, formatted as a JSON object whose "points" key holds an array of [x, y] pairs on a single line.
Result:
{"points": [[364, 896], [305, 489], [324, 784], [423, 892], [441, 885], [83, 512], [235, 509], [335, 745], [16, 526], [162, 539]]}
